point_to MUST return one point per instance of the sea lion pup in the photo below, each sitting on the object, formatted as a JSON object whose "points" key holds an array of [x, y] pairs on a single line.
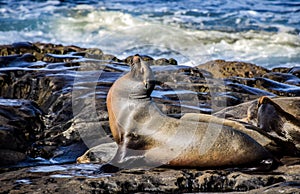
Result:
{"points": [[148, 138]]}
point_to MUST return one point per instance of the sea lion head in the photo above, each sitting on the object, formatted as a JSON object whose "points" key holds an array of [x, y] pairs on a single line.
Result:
{"points": [[142, 77]]}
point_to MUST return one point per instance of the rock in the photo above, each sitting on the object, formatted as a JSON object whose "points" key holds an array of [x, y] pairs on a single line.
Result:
{"points": [[16, 59], [225, 69], [94, 53], [83, 179], [295, 71], [21, 121], [165, 62], [144, 57], [53, 110], [286, 78], [157, 62], [277, 88], [10, 157]]}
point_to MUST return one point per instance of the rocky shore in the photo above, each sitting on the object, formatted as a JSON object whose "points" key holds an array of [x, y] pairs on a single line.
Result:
{"points": [[53, 111]]}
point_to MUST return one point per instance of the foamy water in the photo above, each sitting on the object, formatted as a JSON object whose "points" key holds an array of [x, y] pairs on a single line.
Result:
{"points": [[267, 34]]}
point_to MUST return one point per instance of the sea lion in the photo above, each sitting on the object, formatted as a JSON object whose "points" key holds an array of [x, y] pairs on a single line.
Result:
{"points": [[277, 119], [148, 138], [247, 111], [261, 137], [282, 125]]}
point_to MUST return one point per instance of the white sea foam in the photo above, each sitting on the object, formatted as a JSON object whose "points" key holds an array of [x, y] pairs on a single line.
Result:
{"points": [[122, 34]]}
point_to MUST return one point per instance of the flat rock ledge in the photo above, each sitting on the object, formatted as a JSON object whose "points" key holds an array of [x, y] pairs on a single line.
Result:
{"points": [[83, 178]]}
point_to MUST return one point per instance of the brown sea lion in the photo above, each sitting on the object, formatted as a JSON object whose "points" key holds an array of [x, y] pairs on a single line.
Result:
{"points": [[248, 111], [278, 119], [282, 125], [262, 138], [148, 138]]}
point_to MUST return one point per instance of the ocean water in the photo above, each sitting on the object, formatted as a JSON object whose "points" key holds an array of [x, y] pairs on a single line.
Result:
{"points": [[264, 32]]}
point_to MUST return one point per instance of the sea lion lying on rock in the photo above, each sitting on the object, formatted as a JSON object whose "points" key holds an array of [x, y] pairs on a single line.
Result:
{"points": [[148, 138], [277, 118], [280, 124]]}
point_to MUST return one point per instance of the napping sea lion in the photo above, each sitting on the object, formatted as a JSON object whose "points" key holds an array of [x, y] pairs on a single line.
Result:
{"points": [[277, 118], [282, 125], [247, 111], [148, 138]]}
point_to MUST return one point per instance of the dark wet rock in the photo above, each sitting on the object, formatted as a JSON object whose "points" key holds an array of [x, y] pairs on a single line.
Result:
{"points": [[264, 86], [278, 88], [15, 60], [21, 122], [108, 57], [295, 71], [55, 58], [286, 78], [10, 157], [81, 179], [37, 49], [245, 92]]}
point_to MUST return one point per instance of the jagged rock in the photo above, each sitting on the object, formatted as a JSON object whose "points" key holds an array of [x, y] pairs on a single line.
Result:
{"points": [[21, 122]]}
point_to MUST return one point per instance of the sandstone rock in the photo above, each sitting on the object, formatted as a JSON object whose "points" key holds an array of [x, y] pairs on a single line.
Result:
{"points": [[224, 69]]}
